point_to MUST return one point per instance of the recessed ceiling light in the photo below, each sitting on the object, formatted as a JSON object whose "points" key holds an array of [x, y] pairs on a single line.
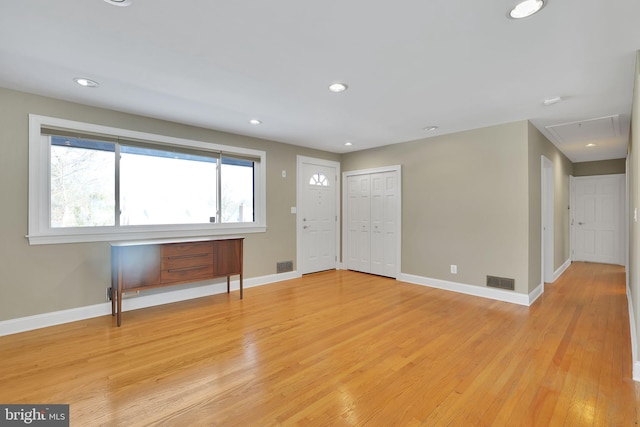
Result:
{"points": [[590, 145], [86, 82], [348, 144], [551, 101], [119, 2], [255, 122], [338, 87], [430, 128], [525, 9]]}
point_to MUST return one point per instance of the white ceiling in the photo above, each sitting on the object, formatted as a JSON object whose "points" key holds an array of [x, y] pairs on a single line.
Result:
{"points": [[457, 64]]}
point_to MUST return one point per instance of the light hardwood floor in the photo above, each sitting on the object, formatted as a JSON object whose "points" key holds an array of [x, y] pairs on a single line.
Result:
{"points": [[343, 349]]}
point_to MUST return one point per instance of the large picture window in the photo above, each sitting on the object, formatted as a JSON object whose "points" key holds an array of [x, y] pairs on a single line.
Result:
{"points": [[92, 183]]}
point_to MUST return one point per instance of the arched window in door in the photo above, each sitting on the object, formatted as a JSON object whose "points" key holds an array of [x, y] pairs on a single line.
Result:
{"points": [[319, 179]]}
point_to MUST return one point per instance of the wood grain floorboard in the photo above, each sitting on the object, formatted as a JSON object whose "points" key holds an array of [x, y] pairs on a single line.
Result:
{"points": [[340, 348]]}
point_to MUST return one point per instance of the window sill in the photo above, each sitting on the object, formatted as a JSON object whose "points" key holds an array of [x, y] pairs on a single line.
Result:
{"points": [[114, 236]]}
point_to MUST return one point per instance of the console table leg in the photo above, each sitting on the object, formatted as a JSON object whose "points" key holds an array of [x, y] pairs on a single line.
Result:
{"points": [[119, 296], [115, 267], [228, 284], [241, 286], [118, 290], [113, 299]]}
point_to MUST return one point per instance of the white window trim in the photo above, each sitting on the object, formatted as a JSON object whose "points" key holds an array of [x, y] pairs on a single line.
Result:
{"points": [[40, 231]]}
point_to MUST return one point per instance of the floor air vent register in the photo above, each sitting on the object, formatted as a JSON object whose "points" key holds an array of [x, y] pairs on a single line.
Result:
{"points": [[284, 266], [501, 283]]}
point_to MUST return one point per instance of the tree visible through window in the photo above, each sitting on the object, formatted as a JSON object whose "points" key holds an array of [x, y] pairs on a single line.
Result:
{"points": [[82, 183], [156, 186], [95, 183], [237, 178]]}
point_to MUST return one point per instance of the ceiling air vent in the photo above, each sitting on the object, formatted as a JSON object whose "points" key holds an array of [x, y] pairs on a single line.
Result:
{"points": [[501, 282]]}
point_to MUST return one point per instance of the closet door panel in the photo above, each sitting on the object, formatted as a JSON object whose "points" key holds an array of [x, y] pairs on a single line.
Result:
{"points": [[359, 223], [377, 223], [390, 224]]}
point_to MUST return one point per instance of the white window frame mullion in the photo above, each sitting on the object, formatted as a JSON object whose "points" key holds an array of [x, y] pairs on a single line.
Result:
{"points": [[219, 190], [45, 179], [118, 210]]}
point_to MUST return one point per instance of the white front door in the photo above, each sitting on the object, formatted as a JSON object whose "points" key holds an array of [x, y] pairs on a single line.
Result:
{"points": [[597, 219], [317, 214]]}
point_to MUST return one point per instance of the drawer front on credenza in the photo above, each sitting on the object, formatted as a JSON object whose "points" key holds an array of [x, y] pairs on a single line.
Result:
{"points": [[174, 250], [184, 262]]}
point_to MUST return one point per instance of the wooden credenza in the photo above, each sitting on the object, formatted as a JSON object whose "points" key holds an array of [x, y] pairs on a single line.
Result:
{"points": [[147, 264]]}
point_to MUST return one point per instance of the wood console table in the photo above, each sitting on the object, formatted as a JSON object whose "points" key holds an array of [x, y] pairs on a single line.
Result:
{"points": [[147, 264]]}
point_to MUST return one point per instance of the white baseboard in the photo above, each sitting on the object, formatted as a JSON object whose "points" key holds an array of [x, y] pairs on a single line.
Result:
{"points": [[479, 291], [634, 337], [561, 269], [23, 324], [536, 293]]}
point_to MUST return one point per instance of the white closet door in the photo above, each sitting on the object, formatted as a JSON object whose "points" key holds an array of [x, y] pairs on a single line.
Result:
{"points": [[390, 224], [377, 223], [358, 205], [373, 224]]}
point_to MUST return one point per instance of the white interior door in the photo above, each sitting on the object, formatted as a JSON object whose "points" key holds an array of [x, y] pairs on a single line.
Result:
{"points": [[384, 217], [372, 220], [317, 214], [547, 221], [358, 223], [598, 219]]}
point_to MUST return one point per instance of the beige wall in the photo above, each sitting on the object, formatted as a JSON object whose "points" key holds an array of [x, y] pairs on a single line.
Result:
{"points": [[470, 199], [464, 202], [634, 203], [602, 167], [539, 146], [47, 278]]}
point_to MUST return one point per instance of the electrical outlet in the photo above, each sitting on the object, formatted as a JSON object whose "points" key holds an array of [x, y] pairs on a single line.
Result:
{"points": [[108, 294], [454, 269]]}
